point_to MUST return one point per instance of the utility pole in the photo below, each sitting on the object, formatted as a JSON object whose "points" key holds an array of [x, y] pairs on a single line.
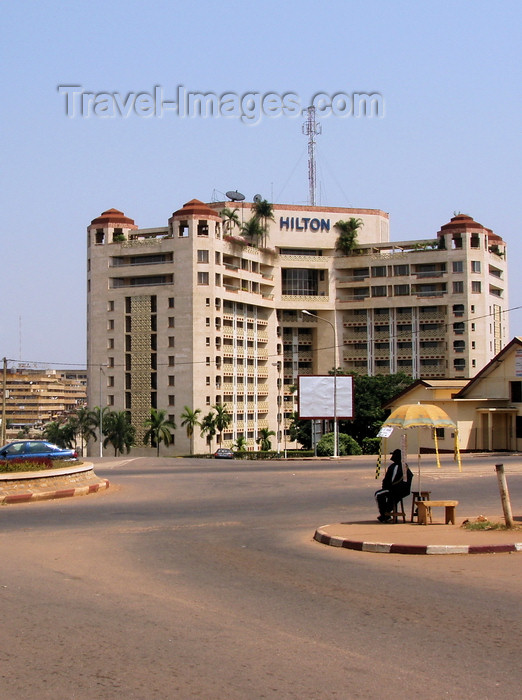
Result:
{"points": [[4, 399]]}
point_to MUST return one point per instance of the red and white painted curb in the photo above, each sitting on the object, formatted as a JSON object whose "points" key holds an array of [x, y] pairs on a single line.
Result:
{"points": [[62, 493], [386, 548]]}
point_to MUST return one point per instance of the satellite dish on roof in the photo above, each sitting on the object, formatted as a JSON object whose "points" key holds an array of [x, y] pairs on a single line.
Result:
{"points": [[235, 196], [258, 198]]}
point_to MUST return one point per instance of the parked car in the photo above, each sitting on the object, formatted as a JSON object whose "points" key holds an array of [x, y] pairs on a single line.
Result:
{"points": [[224, 453], [33, 449]]}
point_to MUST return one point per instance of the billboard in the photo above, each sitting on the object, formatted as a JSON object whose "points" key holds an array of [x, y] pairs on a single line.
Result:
{"points": [[316, 396]]}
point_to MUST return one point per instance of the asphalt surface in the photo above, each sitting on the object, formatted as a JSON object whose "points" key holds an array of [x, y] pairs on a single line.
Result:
{"points": [[201, 579]]}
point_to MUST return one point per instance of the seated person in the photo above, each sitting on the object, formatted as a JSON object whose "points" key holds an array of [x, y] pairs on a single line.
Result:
{"points": [[394, 487]]}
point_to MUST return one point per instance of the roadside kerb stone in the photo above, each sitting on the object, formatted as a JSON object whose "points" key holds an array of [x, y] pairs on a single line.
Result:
{"points": [[21, 487]]}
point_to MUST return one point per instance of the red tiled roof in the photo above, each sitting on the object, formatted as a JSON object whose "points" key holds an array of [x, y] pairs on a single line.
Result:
{"points": [[113, 216]]}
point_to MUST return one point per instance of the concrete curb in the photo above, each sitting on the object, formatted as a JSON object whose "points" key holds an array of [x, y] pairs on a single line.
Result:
{"points": [[61, 493], [388, 548]]}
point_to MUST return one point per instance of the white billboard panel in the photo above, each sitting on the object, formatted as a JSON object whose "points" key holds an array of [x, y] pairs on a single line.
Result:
{"points": [[316, 396]]}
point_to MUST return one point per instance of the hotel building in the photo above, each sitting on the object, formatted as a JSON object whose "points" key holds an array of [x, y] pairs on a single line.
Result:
{"points": [[193, 314]]}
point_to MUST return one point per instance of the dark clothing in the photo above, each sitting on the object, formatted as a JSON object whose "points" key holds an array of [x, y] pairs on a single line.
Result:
{"points": [[394, 488]]}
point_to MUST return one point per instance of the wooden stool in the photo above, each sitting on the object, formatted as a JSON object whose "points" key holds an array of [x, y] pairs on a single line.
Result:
{"points": [[418, 496], [397, 513]]}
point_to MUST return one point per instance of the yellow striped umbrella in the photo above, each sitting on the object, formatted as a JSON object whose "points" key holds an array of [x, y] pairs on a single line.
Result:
{"points": [[424, 415], [419, 415]]}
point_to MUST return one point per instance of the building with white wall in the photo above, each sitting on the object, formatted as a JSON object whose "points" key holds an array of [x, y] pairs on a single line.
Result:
{"points": [[193, 314]]}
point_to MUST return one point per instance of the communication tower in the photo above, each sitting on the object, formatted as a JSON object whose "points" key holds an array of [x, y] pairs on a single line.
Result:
{"points": [[311, 128]]}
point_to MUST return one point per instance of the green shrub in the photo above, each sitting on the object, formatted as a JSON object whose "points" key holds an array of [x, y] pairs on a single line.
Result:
{"points": [[370, 446], [347, 445]]}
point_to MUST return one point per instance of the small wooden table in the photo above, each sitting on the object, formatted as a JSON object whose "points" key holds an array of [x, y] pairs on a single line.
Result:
{"points": [[424, 509]]}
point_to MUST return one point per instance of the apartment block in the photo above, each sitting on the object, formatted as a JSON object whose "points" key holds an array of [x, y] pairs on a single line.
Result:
{"points": [[35, 397]]}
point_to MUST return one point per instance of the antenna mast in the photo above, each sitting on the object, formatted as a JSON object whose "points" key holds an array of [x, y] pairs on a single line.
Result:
{"points": [[311, 128]]}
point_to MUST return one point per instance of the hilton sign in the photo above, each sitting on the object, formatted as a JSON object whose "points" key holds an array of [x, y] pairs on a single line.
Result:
{"points": [[298, 223]]}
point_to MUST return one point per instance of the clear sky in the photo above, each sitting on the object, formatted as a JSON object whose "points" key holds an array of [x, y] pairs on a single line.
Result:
{"points": [[448, 139]]}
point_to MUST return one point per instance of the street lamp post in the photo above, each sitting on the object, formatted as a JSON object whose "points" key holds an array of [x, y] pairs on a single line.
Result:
{"points": [[278, 365], [336, 431]]}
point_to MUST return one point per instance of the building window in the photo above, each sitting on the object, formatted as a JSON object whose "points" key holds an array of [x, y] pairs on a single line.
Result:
{"points": [[171, 323], [207, 322], [440, 433], [458, 266], [172, 380], [458, 287], [172, 361], [379, 291], [207, 401], [516, 391], [475, 266], [459, 363], [171, 302], [458, 309], [203, 278], [110, 324], [458, 328], [459, 345], [202, 256], [110, 381], [110, 362], [110, 343], [401, 270], [207, 341], [207, 381], [110, 305], [476, 287], [401, 290], [172, 400], [379, 271], [202, 228], [299, 282], [171, 341], [183, 230]]}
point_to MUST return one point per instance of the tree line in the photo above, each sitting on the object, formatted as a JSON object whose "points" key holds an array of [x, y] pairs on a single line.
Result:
{"points": [[117, 430]]}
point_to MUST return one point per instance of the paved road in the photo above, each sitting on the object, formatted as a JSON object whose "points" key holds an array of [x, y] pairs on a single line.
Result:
{"points": [[200, 579]]}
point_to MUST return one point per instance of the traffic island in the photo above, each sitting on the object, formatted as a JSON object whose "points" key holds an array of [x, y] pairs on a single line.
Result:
{"points": [[411, 538], [22, 487]]}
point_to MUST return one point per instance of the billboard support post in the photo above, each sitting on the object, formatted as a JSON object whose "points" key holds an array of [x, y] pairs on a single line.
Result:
{"points": [[336, 430]]}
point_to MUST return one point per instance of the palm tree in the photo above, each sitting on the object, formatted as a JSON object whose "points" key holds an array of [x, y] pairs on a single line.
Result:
{"points": [[158, 429], [118, 431], [252, 229], [189, 420], [223, 419], [230, 219], [208, 428], [348, 230], [58, 434], [264, 439], [85, 421], [241, 444], [264, 211]]}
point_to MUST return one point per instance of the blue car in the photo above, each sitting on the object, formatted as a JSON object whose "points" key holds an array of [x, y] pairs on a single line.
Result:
{"points": [[33, 449]]}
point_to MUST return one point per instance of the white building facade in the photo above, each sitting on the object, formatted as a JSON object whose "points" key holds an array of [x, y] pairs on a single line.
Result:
{"points": [[193, 314]]}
